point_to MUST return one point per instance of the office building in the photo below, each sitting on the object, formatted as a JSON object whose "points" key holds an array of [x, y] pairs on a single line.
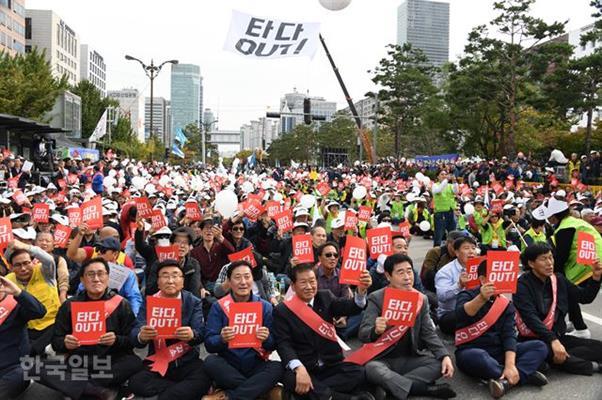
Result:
{"points": [[259, 133], [185, 95], [67, 114], [12, 26], [366, 109], [160, 126], [291, 110], [209, 121], [227, 142], [425, 25], [47, 32], [131, 105], [93, 68]]}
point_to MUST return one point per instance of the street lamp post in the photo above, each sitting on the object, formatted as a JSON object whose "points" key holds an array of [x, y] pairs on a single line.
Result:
{"points": [[207, 126], [152, 71]]}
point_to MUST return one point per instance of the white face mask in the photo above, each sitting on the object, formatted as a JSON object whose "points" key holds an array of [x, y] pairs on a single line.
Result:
{"points": [[163, 242]]}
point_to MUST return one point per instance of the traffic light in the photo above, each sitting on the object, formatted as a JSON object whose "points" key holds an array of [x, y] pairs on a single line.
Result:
{"points": [[167, 153], [307, 111]]}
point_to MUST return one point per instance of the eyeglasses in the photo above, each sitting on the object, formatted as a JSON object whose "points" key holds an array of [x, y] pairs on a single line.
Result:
{"points": [[22, 264], [331, 255], [171, 277], [98, 274], [239, 229]]}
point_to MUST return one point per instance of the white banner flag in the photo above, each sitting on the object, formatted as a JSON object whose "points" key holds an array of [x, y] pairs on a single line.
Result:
{"points": [[101, 128], [269, 38]]}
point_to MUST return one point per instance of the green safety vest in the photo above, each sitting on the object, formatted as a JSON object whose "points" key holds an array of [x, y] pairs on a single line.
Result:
{"points": [[479, 216], [537, 237], [574, 272], [445, 200], [487, 235], [397, 210], [462, 222]]}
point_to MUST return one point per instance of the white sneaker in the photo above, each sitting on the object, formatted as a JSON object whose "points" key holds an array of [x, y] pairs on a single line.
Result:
{"points": [[583, 333]]}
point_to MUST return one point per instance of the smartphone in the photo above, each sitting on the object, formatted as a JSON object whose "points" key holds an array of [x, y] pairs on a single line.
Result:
{"points": [[217, 220]]}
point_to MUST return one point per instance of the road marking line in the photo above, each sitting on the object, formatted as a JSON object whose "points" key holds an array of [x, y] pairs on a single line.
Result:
{"points": [[592, 318]]}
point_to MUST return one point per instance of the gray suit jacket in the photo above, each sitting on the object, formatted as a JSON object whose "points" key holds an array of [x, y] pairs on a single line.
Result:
{"points": [[423, 332]]}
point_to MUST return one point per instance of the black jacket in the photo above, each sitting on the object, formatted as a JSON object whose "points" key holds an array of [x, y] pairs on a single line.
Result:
{"points": [[121, 321], [295, 340], [533, 299], [192, 277]]}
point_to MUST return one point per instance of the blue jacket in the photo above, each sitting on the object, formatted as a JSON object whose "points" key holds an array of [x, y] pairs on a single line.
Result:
{"points": [[192, 316], [129, 290], [15, 342], [97, 180], [244, 360]]}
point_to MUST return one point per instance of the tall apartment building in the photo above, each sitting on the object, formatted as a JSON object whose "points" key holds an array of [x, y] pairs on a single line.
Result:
{"points": [[259, 132], [366, 109], [48, 32], [292, 104], [93, 68], [12, 26], [425, 25], [131, 104], [160, 126], [185, 95]]}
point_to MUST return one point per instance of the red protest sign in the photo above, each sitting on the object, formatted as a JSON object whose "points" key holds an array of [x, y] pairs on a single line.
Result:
{"points": [[351, 220], [75, 216], [502, 270], [193, 212], [164, 314], [143, 205], [245, 319], [497, 188], [167, 252], [41, 213], [364, 214], [246, 255], [92, 213], [88, 321], [354, 260], [497, 206], [13, 182], [284, 220], [252, 209], [472, 266], [400, 307], [323, 188], [273, 208], [19, 197], [6, 232], [380, 241], [62, 184], [586, 248], [257, 197], [302, 249], [73, 179], [404, 229], [61, 236], [157, 220]]}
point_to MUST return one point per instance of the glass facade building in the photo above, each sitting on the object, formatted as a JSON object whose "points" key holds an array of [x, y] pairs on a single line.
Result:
{"points": [[185, 95]]}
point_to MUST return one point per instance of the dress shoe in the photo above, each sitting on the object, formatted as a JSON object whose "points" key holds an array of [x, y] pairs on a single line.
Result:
{"points": [[498, 387], [363, 396], [537, 379], [275, 393], [440, 391], [380, 393]]}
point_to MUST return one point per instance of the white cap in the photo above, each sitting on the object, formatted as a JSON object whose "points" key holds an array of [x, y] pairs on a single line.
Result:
{"points": [[303, 224], [560, 193], [332, 203], [60, 219], [26, 234], [337, 223], [300, 212], [539, 213], [163, 231], [555, 206]]}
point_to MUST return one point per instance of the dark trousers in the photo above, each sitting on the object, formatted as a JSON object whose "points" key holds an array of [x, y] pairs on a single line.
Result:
{"points": [[38, 340], [251, 385], [328, 381], [575, 315], [73, 385], [12, 383], [187, 381], [445, 221], [447, 323], [582, 352], [484, 364]]}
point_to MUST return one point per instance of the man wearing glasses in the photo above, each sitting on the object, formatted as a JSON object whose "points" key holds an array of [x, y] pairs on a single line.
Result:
{"points": [[183, 375], [93, 371], [39, 280]]}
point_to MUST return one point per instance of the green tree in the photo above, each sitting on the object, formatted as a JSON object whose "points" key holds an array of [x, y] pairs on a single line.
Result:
{"points": [[27, 87], [340, 132], [93, 105], [406, 78], [299, 145]]}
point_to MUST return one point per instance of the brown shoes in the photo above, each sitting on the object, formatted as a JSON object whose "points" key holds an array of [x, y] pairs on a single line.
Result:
{"points": [[217, 395], [275, 393]]}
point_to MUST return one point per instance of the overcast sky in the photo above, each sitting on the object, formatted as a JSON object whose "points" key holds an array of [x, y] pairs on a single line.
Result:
{"points": [[237, 89]]}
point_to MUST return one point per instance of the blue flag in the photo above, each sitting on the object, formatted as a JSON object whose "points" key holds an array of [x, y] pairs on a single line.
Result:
{"points": [[176, 150], [180, 137]]}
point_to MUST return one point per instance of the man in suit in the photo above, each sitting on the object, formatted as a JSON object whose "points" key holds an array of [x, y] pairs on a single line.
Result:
{"points": [[403, 368], [307, 343]]}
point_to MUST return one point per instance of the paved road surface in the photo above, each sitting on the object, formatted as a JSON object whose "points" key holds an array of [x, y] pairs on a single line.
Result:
{"points": [[561, 386]]}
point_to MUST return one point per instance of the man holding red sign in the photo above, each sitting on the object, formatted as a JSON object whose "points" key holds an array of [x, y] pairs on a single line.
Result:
{"points": [[243, 371], [486, 341], [117, 321], [174, 368], [394, 333]]}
